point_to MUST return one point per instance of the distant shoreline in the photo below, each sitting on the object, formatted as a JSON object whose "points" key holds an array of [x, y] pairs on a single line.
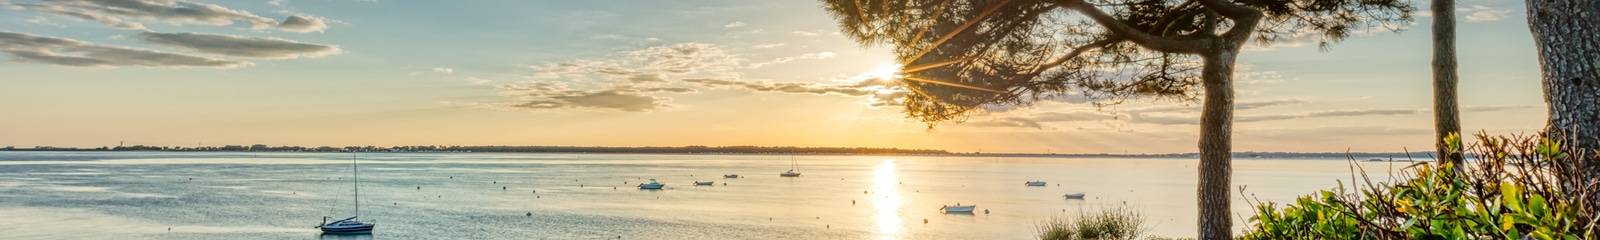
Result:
{"points": [[732, 150]]}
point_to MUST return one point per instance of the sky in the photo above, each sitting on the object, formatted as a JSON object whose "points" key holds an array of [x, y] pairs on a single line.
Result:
{"points": [[90, 73]]}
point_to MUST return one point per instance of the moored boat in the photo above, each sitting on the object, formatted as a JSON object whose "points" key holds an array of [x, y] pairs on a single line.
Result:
{"points": [[652, 185], [730, 176], [1035, 183], [350, 225], [1074, 195], [702, 183], [958, 208]]}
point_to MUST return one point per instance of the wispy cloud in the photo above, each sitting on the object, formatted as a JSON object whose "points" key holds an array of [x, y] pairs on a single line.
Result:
{"points": [[805, 33], [24, 47], [41, 20], [1480, 13], [444, 70], [129, 14], [554, 95], [764, 46], [633, 80], [734, 24], [239, 46]]}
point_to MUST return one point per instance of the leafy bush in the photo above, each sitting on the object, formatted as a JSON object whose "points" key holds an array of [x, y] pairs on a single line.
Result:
{"points": [[1513, 188], [1121, 223]]}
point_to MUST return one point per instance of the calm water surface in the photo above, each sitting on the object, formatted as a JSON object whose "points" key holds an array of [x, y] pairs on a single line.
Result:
{"points": [[149, 195]]}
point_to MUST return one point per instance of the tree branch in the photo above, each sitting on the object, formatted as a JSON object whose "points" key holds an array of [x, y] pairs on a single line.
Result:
{"points": [[1122, 30], [962, 28], [1230, 10]]}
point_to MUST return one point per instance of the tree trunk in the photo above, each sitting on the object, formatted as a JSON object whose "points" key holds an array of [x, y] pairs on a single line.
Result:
{"points": [[1567, 34], [1446, 118], [1216, 143]]}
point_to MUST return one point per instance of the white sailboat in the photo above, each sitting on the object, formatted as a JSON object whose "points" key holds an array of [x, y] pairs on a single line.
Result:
{"points": [[792, 167], [350, 225]]}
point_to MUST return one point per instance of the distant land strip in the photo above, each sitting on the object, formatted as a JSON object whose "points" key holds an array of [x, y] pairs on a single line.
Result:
{"points": [[513, 149], [1368, 156]]}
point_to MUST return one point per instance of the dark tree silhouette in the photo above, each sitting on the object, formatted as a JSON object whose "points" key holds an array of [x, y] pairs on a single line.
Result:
{"points": [[959, 56], [1567, 35], [1446, 117]]}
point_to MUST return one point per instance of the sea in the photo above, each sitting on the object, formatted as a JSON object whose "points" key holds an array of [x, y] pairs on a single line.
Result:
{"points": [[248, 195]]}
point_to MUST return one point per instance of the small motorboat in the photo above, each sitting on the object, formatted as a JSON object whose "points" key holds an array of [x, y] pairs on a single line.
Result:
{"points": [[731, 176], [652, 185], [790, 173], [697, 183], [1035, 183], [1074, 195], [958, 208], [1375, 160], [347, 226]]}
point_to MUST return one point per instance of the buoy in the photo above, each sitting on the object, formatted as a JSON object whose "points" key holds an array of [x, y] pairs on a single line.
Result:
{"points": [[535, 196], [502, 187], [924, 221], [535, 191], [530, 214], [985, 211], [396, 203], [496, 182], [852, 202], [419, 187]]}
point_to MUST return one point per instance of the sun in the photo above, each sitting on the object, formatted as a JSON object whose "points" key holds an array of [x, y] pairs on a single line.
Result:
{"points": [[884, 72]]}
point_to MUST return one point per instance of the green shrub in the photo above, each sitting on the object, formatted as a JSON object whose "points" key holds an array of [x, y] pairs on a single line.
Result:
{"points": [[1120, 223], [1514, 188]]}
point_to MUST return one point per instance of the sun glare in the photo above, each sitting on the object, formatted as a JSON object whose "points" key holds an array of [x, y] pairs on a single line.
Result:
{"points": [[884, 72]]}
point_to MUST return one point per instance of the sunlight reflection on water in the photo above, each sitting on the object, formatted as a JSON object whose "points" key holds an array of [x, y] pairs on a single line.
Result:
{"points": [[889, 206]]}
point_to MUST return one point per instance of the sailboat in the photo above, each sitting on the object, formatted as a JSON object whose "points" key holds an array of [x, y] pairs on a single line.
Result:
{"points": [[349, 225], [792, 166]]}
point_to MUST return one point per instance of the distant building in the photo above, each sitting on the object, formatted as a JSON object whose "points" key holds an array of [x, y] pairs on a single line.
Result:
{"points": [[258, 147]]}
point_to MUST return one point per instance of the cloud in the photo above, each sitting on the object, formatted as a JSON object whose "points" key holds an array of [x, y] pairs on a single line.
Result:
{"points": [[41, 20], [238, 46], [127, 14], [765, 46], [1491, 108], [24, 47], [1329, 113], [444, 70], [548, 95], [734, 24], [303, 24], [820, 55], [606, 36], [1009, 122], [685, 58], [857, 89], [1480, 13], [633, 80], [805, 33]]}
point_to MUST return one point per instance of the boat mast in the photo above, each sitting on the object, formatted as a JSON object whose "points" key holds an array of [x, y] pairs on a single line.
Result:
{"points": [[356, 183]]}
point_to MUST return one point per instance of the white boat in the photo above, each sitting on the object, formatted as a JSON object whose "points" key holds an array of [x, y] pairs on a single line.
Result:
{"points": [[1074, 195], [702, 183], [958, 208], [1035, 183], [347, 226], [652, 185], [350, 225], [792, 166], [731, 176]]}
